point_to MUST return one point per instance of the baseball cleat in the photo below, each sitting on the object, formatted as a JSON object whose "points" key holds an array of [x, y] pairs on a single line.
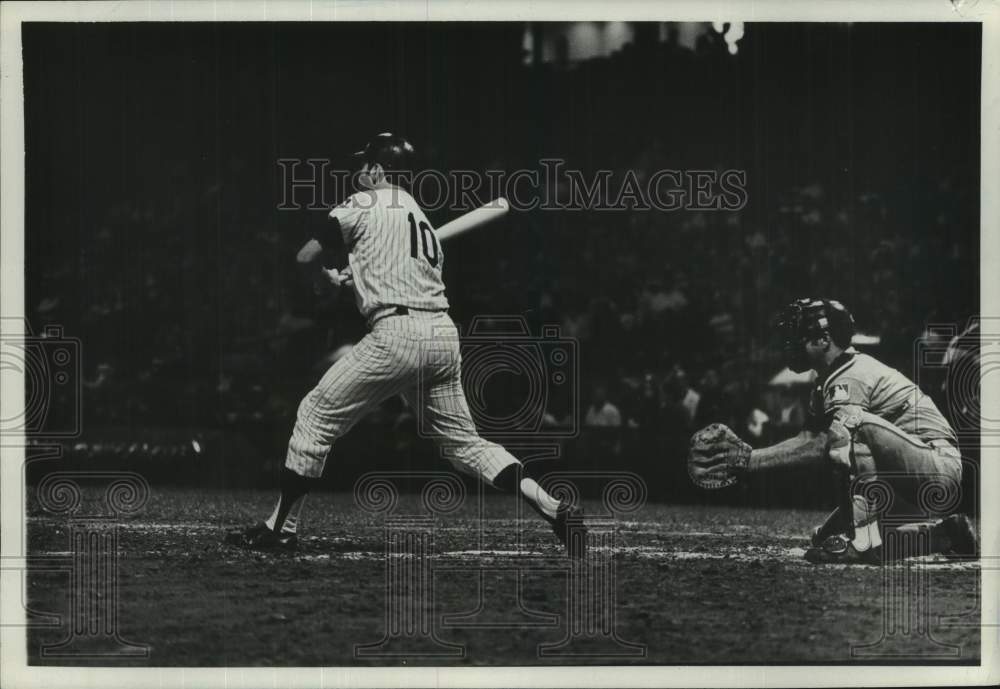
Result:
{"points": [[571, 531], [961, 535], [838, 550], [259, 537], [833, 526]]}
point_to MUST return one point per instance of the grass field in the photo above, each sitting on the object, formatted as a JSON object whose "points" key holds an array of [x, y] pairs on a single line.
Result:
{"points": [[687, 585]]}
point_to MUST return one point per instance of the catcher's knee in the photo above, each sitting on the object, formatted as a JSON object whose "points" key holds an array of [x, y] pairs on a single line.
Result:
{"points": [[886, 447], [874, 431]]}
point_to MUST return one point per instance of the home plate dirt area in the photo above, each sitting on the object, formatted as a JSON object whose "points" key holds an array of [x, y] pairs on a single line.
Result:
{"points": [[666, 584]]}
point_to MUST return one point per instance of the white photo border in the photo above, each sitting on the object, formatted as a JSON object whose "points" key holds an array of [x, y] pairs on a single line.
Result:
{"points": [[14, 671]]}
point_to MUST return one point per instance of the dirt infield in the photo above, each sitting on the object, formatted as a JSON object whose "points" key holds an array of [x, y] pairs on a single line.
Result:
{"points": [[667, 585]]}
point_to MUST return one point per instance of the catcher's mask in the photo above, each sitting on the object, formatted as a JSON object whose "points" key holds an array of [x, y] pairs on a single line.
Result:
{"points": [[807, 319]]}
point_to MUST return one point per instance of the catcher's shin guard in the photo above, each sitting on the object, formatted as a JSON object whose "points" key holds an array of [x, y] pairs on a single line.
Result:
{"points": [[844, 467], [851, 532], [831, 543]]}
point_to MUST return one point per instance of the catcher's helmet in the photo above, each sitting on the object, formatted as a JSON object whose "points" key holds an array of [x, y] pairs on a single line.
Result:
{"points": [[389, 150], [805, 319]]}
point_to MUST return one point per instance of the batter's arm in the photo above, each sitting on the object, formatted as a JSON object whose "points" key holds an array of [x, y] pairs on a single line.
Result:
{"points": [[322, 278], [309, 253], [808, 448], [326, 243]]}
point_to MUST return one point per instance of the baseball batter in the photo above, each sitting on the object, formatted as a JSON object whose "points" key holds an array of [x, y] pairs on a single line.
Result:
{"points": [[866, 421], [412, 348]]}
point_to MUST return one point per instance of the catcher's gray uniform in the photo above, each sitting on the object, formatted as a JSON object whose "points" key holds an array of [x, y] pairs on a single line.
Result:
{"points": [[902, 431], [413, 346]]}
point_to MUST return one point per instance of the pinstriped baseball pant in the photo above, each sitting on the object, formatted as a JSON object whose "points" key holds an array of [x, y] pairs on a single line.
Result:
{"points": [[416, 355]]}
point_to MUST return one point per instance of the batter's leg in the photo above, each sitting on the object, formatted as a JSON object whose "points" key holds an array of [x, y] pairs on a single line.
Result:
{"points": [[378, 367], [445, 413]]}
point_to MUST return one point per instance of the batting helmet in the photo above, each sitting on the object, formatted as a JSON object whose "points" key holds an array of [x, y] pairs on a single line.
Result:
{"points": [[391, 151], [807, 319]]}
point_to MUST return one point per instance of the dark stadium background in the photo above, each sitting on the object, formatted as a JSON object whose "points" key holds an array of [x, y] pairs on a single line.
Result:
{"points": [[153, 231]]}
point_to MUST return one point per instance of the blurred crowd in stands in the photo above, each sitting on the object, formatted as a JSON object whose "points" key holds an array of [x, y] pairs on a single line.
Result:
{"points": [[190, 321], [669, 344]]}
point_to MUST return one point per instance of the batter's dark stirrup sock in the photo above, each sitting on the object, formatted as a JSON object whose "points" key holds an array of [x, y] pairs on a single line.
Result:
{"points": [[511, 480], [508, 478], [293, 493]]}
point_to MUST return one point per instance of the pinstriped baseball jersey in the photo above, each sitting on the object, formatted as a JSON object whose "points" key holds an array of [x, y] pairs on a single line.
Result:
{"points": [[396, 261], [861, 380], [393, 252]]}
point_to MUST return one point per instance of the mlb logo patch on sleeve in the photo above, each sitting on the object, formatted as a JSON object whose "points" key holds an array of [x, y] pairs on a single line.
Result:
{"points": [[838, 392]]}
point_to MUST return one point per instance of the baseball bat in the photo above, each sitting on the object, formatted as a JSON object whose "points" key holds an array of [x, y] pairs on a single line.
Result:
{"points": [[486, 213]]}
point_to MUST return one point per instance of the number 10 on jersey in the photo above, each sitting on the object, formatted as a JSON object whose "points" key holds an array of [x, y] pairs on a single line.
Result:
{"points": [[425, 237]]}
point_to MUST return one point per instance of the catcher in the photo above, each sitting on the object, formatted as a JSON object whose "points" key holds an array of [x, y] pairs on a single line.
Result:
{"points": [[891, 455]]}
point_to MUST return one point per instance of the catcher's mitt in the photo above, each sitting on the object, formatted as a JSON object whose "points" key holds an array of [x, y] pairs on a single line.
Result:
{"points": [[717, 458]]}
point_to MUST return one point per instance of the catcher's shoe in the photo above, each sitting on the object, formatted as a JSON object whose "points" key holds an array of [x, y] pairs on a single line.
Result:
{"points": [[833, 525], [961, 535], [259, 537], [837, 550], [571, 531]]}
